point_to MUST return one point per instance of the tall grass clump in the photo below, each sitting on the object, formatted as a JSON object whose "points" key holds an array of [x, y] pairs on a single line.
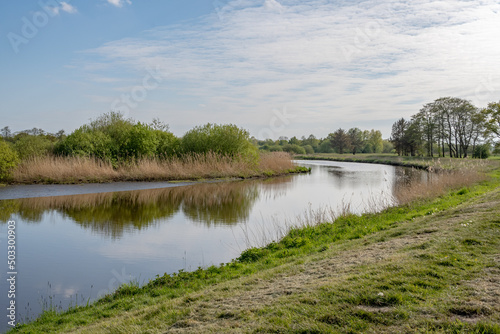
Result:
{"points": [[439, 183], [60, 169]]}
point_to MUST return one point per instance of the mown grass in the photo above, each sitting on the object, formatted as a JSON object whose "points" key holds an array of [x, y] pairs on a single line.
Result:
{"points": [[423, 267], [51, 169]]}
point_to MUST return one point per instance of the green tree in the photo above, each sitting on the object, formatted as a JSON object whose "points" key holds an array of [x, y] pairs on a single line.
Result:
{"points": [[340, 141], [8, 160], [356, 140], [398, 134], [492, 113]]}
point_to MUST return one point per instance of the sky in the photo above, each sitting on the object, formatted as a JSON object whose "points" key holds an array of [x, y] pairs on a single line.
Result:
{"points": [[274, 67]]}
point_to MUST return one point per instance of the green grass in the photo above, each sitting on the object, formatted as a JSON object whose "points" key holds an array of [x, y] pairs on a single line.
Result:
{"points": [[418, 268]]}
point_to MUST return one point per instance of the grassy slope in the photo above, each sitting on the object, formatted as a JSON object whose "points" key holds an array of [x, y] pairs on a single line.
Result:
{"points": [[432, 266]]}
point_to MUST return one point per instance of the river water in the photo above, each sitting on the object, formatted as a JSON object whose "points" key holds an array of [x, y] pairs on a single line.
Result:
{"points": [[75, 248]]}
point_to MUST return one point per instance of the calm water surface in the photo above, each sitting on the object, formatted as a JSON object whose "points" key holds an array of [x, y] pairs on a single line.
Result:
{"points": [[75, 247]]}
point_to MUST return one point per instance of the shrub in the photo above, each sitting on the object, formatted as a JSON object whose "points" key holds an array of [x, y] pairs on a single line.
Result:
{"points": [[225, 139], [325, 147], [142, 141], [168, 144], [85, 142], [309, 149], [481, 152], [32, 146], [293, 148], [8, 160]]}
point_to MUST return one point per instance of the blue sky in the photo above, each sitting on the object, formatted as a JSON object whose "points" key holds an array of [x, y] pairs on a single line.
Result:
{"points": [[276, 68]]}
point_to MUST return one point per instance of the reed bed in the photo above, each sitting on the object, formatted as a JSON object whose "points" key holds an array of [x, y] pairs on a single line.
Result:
{"points": [[53, 169], [439, 183]]}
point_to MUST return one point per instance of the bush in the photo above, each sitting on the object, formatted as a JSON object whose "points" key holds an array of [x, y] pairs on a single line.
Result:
{"points": [[142, 141], [8, 160], [86, 142], [168, 144], [325, 147], [221, 139], [32, 146], [112, 138], [481, 152], [293, 148], [309, 149]]}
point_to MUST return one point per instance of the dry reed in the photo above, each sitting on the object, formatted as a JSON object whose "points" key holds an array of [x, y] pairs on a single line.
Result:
{"points": [[439, 183], [80, 170]]}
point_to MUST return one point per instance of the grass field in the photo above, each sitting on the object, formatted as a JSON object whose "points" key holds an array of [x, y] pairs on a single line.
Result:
{"points": [[428, 266]]}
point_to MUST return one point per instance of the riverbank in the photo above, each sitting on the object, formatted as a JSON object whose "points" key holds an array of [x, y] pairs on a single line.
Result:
{"points": [[426, 163], [75, 170], [431, 265]]}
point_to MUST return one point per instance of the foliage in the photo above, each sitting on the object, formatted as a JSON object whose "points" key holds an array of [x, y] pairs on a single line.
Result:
{"points": [[356, 140], [8, 160], [113, 138], [294, 148], [309, 149], [481, 152], [492, 112], [28, 146], [340, 141], [225, 139]]}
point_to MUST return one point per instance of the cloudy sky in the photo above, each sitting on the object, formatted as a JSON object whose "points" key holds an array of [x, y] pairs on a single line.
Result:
{"points": [[274, 67]]}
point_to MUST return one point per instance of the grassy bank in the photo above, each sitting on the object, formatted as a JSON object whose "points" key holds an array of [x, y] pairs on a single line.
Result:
{"points": [[431, 265], [50, 169], [427, 163]]}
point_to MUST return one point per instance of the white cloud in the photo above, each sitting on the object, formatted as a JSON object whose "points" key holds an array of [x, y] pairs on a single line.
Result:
{"points": [[332, 63], [65, 7], [119, 3]]}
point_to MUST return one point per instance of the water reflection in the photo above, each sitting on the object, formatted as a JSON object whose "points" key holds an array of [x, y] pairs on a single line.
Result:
{"points": [[75, 242], [112, 214]]}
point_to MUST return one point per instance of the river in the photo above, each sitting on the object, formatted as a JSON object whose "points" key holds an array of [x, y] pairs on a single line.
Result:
{"points": [[82, 242]]}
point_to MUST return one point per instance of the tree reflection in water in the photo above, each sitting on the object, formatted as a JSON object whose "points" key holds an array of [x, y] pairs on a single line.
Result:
{"points": [[112, 214]]}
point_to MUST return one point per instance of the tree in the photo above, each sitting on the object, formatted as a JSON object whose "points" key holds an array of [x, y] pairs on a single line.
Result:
{"points": [[426, 118], [375, 141], [340, 141], [492, 113], [398, 134], [412, 139], [356, 140], [5, 132]]}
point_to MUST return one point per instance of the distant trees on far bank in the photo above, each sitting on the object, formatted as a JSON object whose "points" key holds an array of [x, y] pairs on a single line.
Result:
{"points": [[341, 141], [449, 126]]}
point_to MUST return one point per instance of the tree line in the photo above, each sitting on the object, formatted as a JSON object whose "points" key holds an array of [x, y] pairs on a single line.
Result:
{"points": [[341, 141], [117, 140], [448, 126]]}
